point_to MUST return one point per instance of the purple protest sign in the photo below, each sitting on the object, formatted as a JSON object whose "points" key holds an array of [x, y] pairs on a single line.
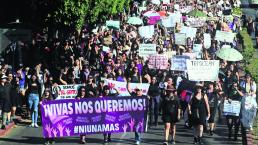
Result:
{"points": [[72, 117]]}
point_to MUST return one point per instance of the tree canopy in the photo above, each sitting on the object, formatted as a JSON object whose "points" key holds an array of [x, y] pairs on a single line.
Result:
{"points": [[75, 13]]}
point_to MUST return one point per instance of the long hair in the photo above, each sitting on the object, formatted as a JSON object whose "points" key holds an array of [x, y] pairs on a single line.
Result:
{"points": [[80, 91]]}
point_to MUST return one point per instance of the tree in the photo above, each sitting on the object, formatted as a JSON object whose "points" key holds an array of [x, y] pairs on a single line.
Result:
{"points": [[74, 13]]}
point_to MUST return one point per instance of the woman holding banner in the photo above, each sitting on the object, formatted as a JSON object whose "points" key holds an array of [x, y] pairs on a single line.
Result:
{"points": [[106, 92], [199, 111], [136, 93], [47, 96], [171, 114], [81, 95]]}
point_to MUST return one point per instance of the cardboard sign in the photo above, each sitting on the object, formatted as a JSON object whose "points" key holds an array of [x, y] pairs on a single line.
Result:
{"points": [[143, 86], [179, 62], [66, 91], [170, 53], [191, 55], [111, 23], [197, 49], [207, 40], [146, 31], [106, 49], [203, 70], [167, 22], [171, 20], [146, 50], [158, 62], [231, 108], [225, 36], [120, 86], [196, 22], [189, 31], [180, 38]]}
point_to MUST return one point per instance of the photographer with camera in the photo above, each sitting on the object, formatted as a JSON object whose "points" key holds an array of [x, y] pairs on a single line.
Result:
{"points": [[235, 94]]}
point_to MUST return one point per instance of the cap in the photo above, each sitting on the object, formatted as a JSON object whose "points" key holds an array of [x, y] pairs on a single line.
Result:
{"points": [[138, 88], [3, 77]]}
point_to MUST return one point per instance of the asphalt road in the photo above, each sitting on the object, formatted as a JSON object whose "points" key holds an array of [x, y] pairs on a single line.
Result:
{"points": [[24, 135]]}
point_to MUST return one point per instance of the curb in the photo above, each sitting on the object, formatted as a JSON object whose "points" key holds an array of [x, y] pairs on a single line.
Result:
{"points": [[9, 127], [249, 138], [7, 130]]}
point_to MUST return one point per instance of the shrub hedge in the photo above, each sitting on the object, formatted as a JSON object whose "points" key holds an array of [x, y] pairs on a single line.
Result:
{"points": [[251, 64]]}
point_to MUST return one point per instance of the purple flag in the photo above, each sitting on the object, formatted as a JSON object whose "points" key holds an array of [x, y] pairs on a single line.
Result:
{"points": [[72, 117]]}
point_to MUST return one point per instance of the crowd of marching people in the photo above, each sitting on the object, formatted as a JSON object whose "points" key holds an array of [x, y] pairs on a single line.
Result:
{"points": [[84, 59]]}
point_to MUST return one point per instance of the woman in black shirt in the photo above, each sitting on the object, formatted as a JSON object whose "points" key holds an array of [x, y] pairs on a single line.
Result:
{"points": [[171, 114], [235, 94], [33, 99], [82, 95]]}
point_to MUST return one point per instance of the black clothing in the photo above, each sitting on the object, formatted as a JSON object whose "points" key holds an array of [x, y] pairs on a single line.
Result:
{"points": [[135, 79], [91, 88], [34, 87], [65, 55], [14, 93], [154, 90], [213, 99], [170, 110], [5, 97], [199, 112]]}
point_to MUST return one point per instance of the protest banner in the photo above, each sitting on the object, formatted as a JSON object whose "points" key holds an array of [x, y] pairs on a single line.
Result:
{"points": [[202, 70], [158, 61], [197, 49], [189, 31], [61, 118], [66, 91], [191, 55], [143, 86], [207, 40], [120, 86], [225, 36], [146, 31], [113, 24], [147, 49], [231, 108], [180, 38], [179, 62]]}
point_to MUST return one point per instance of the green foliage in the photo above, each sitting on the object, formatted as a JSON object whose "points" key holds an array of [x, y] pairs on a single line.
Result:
{"points": [[75, 13], [237, 12], [255, 131], [252, 68], [251, 65], [72, 12], [248, 47]]}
